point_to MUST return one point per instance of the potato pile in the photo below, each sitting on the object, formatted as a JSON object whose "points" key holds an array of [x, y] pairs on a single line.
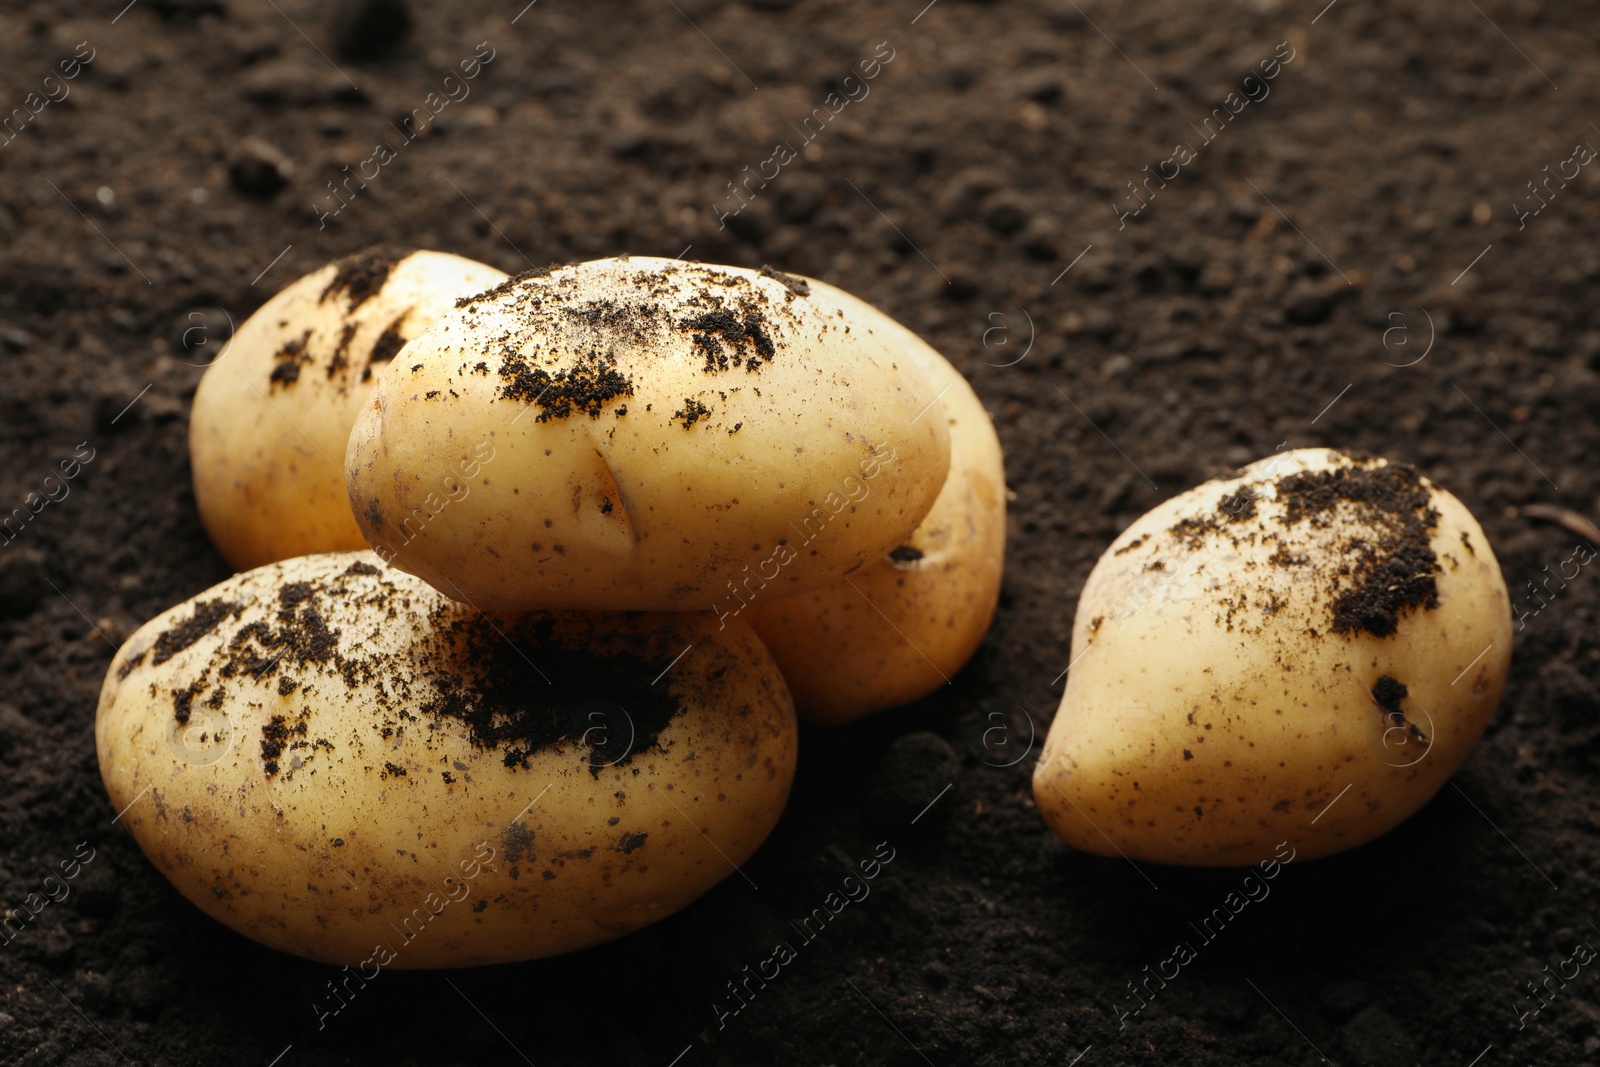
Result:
{"points": [[626, 519], [536, 716], [685, 436]]}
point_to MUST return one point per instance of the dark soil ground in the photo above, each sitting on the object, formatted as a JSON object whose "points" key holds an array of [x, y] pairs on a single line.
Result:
{"points": [[1302, 258]]}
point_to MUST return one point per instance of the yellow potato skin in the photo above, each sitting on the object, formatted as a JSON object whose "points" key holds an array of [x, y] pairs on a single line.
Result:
{"points": [[272, 415], [897, 629], [368, 826], [665, 435], [1211, 710]]}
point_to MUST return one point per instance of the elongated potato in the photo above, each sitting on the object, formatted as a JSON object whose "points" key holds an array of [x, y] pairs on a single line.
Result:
{"points": [[898, 628], [272, 415], [335, 760], [1301, 654], [663, 434]]}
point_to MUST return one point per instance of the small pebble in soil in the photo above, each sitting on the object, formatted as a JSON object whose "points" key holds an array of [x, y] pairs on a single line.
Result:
{"points": [[1041, 239], [257, 168]]}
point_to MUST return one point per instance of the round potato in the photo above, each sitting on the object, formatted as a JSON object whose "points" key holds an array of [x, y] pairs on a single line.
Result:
{"points": [[334, 759], [898, 628], [272, 415], [663, 435], [1301, 654]]}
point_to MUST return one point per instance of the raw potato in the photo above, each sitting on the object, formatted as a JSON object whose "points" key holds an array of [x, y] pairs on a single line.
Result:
{"points": [[664, 435], [371, 774], [273, 414], [898, 628], [1304, 653]]}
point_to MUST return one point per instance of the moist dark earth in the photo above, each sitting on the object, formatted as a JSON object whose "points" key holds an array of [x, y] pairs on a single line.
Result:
{"points": [[1386, 246]]}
